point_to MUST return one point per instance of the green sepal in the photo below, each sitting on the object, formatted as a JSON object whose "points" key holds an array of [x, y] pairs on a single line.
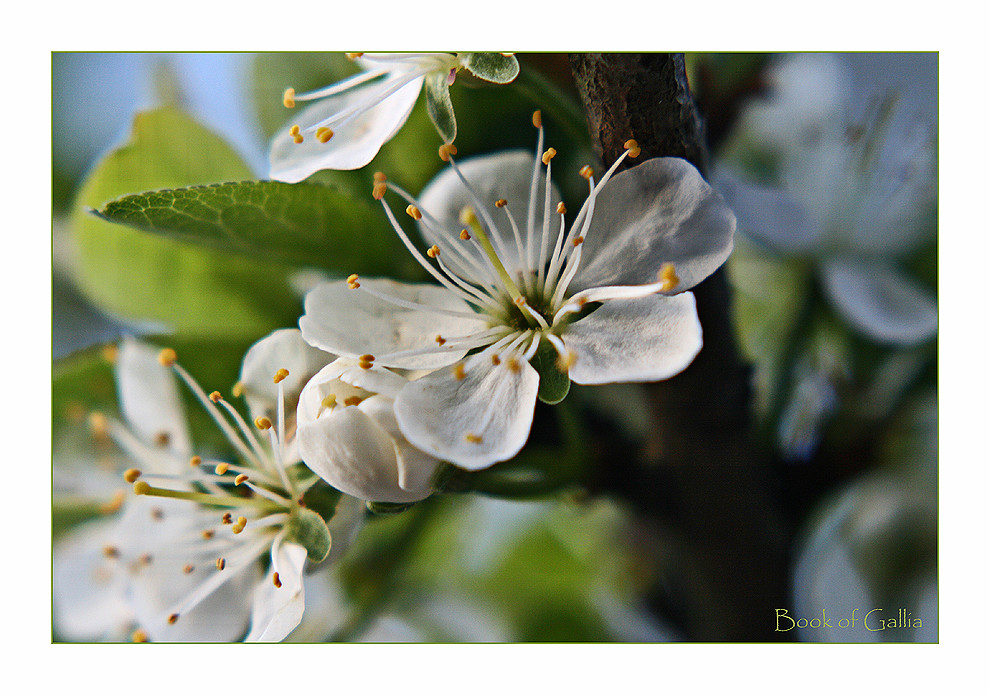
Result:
{"points": [[308, 529], [388, 507], [554, 383], [322, 498], [439, 106], [493, 67]]}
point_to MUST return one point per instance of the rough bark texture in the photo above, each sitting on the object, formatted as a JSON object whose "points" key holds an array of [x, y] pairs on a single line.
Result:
{"points": [[707, 497]]}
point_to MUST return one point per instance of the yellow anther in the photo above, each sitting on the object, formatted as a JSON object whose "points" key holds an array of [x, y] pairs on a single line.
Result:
{"points": [[298, 139], [216, 396], [440, 340], [132, 474], [323, 134], [280, 375], [195, 461], [289, 98], [586, 171], [262, 423], [239, 526], [537, 119], [167, 357], [446, 150], [458, 370], [141, 488], [221, 563], [238, 389], [294, 131], [668, 278], [633, 148], [365, 365], [578, 240], [115, 503], [468, 217], [519, 301], [414, 212], [352, 281], [433, 251], [367, 358], [139, 636], [172, 619], [501, 203], [109, 353], [208, 534], [330, 401], [99, 424], [353, 400], [162, 439], [227, 519], [221, 468], [561, 210], [464, 235], [513, 364], [548, 155], [378, 190], [188, 569], [111, 551], [379, 177], [276, 581], [473, 438], [353, 56], [496, 360], [240, 479]]}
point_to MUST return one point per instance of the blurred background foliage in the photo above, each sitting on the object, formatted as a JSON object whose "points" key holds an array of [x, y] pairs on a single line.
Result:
{"points": [[850, 426]]}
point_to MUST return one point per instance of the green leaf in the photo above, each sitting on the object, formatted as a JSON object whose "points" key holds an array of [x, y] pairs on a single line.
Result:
{"points": [[307, 528], [494, 67], [189, 288], [554, 383], [304, 223], [439, 106]]}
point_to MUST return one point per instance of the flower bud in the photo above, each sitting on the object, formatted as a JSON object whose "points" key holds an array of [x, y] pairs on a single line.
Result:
{"points": [[348, 435]]}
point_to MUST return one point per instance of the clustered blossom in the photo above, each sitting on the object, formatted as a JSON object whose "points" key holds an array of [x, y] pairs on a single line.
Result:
{"points": [[601, 301], [184, 558]]}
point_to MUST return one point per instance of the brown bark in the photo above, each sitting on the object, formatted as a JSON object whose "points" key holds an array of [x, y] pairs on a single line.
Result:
{"points": [[706, 494]]}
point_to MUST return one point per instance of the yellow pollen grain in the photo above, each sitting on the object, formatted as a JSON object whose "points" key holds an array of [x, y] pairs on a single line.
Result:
{"points": [[513, 364], [167, 357], [561, 210], [578, 240], [227, 519], [298, 139], [139, 636], [472, 438], [109, 353], [464, 235], [633, 147], [221, 563], [280, 375], [458, 371], [414, 212], [353, 400], [548, 155], [216, 396], [141, 488], [240, 479], [496, 360], [208, 534], [668, 277], [221, 468], [289, 98], [195, 461], [519, 301], [263, 423], [352, 281], [501, 203], [440, 340], [294, 131], [173, 619], [162, 439], [238, 389], [188, 569], [586, 171], [433, 251], [537, 119], [324, 134], [276, 581], [132, 474]]}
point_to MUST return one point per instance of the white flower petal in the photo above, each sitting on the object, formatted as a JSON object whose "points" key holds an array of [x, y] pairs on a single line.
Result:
{"points": [[277, 610], [353, 322], [880, 301], [282, 349], [476, 421], [771, 216], [354, 143], [504, 175], [149, 397], [415, 468], [660, 211], [644, 339]]}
